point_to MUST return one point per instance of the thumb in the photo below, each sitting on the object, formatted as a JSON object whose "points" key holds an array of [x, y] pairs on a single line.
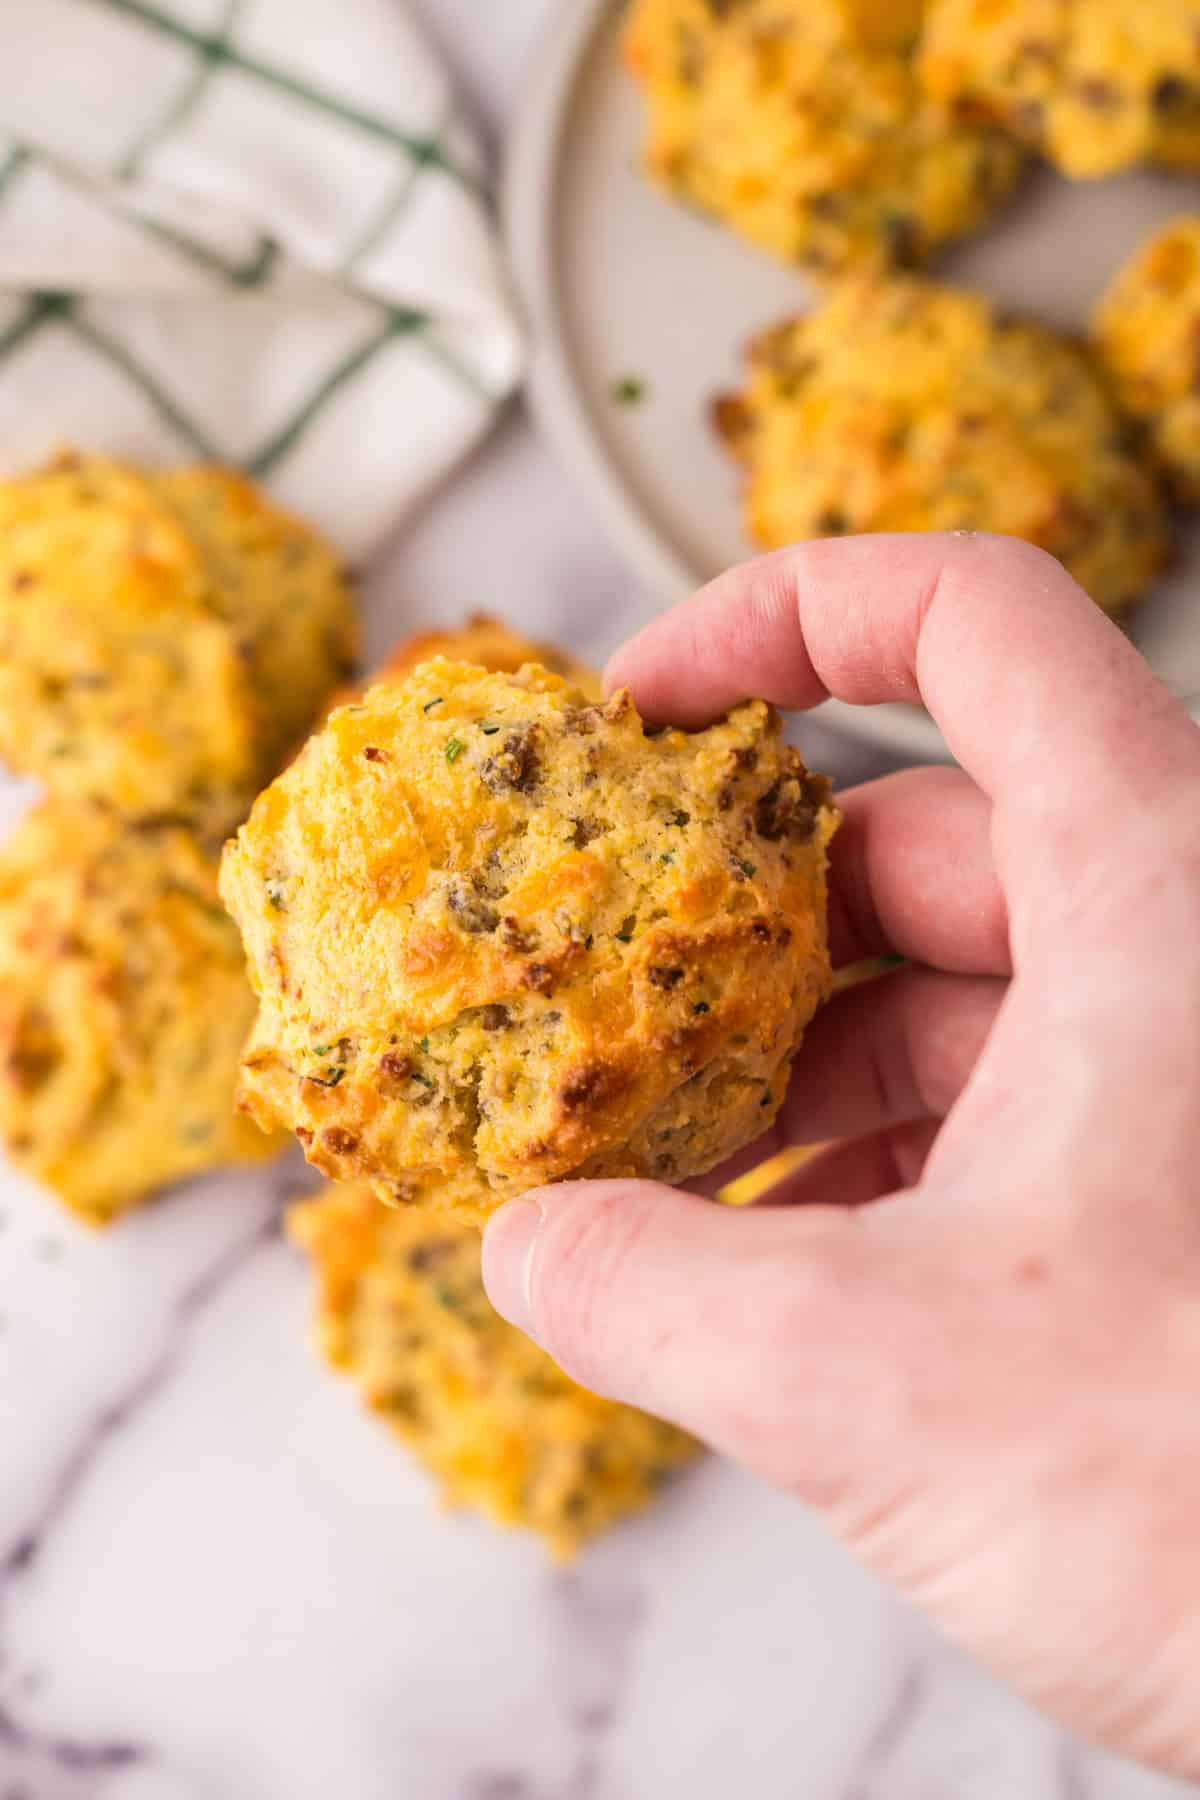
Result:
{"points": [[761, 1332]]}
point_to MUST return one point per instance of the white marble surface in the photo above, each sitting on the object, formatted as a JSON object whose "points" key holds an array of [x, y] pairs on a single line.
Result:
{"points": [[219, 1582]]}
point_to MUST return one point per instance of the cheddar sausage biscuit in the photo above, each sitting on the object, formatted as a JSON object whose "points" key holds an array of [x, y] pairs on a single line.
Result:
{"points": [[482, 639], [1095, 85], [1147, 334], [801, 124], [501, 935], [124, 1006], [402, 1310], [164, 637], [899, 405], [492, 644]]}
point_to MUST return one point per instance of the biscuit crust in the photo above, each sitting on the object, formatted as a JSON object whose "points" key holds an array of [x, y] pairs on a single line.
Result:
{"points": [[488, 641], [124, 1007], [1147, 333], [165, 638], [1094, 85], [481, 638], [902, 405], [801, 125], [402, 1311], [501, 935]]}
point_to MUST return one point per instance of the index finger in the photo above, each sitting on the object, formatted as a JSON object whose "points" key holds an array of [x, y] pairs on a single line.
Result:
{"points": [[1039, 695]]}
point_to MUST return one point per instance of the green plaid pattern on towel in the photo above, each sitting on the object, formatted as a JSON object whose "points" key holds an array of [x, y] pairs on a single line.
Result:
{"points": [[250, 230]]}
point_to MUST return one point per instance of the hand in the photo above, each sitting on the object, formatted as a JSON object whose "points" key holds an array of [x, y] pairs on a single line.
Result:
{"points": [[988, 1381]]}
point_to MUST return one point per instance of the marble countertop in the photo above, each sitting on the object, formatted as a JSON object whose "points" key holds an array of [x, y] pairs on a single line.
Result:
{"points": [[219, 1581]]}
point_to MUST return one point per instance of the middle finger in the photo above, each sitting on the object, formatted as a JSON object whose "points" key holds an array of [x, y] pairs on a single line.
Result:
{"points": [[911, 873], [896, 1049]]}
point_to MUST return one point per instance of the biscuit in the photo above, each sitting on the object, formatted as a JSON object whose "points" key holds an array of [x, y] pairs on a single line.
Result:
{"points": [[501, 936], [124, 1007], [402, 1310], [1095, 85], [486, 640], [482, 639], [1146, 329], [801, 124], [899, 405], [164, 638]]}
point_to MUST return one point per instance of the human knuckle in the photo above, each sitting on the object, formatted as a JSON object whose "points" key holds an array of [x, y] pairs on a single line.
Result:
{"points": [[1037, 565], [581, 1271], [796, 1302], [786, 1412]]}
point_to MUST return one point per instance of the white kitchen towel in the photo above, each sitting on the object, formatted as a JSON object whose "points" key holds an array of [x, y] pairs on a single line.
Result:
{"points": [[246, 230]]}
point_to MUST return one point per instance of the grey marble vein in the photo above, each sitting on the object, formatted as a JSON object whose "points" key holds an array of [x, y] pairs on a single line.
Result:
{"points": [[598, 1626], [592, 1627], [1071, 1771], [54, 1765], [498, 1784], [868, 1781], [56, 1755]]}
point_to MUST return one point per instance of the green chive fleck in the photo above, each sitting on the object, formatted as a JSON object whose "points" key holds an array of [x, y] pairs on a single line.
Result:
{"points": [[322, 1049], [628, 390], [701, 1006], [454, 750], [329, 1077], [681, 818], [430, 704], [275, 895], [747, 868], [624, 937], [423, 1046], [488, 730]]}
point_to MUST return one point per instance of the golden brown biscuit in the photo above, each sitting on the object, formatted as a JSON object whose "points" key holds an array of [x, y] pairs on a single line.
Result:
{"points": [[502, 936], [124, 1007], [1095, 85], [801, 124], [899, 405], [1147, 334], [492, 644], [164, 638], [402, 1310], [482, 639]]}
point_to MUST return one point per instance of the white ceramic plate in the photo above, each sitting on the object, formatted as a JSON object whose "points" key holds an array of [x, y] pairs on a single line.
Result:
{"points": [[619, 282]]}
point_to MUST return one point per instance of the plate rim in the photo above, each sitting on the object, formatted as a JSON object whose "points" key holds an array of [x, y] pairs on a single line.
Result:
{"points": [[528, 211]]}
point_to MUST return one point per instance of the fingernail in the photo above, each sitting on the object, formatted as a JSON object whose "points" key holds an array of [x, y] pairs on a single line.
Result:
{"points": [[508, 1260]]}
